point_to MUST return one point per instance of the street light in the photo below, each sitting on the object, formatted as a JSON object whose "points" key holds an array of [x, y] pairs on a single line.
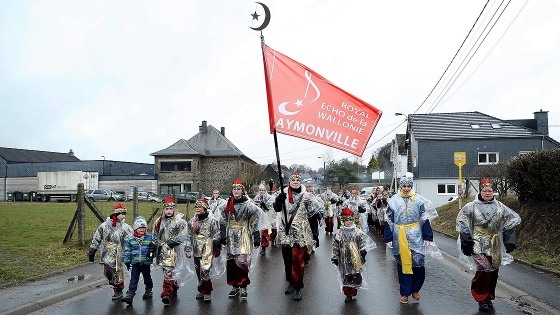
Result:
{"points": [[408, 142], [103, 171]]}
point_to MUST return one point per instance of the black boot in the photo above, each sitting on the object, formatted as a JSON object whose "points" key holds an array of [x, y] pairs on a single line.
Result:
{"points": [[297, 295], [166, 300], [289, 290], [147, 294], [263, 251], [483, 306], [117, 295], [348, 299], [128, 298]]}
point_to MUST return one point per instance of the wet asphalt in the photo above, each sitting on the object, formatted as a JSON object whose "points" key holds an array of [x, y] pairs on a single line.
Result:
{"points": [[446, 290]]}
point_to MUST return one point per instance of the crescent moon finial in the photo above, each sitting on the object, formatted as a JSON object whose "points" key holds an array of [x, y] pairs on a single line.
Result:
{"points": [[266, 17]]}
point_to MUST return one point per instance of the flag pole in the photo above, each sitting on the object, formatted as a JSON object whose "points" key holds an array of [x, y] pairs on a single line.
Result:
{"points": [[273, 129]]}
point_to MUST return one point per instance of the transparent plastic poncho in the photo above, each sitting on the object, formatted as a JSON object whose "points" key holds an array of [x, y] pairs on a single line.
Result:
{"points": [[348, 245]]}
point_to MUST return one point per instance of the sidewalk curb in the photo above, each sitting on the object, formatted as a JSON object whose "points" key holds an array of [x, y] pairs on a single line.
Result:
{"points": [[521, 261], [40, 304], [507, 289]]}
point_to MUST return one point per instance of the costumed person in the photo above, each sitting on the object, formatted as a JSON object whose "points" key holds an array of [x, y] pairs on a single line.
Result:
{"points": [[262, 199], [273, 217], [374, 203], [382, 208], [349, 248], [487, 234], [139, 255], [408, 232], [329, 199], [295, 234], [203, 245], [170, 233], [359, 206], [270, 184], [113, 233], [315, 217], [240, 217], [215, 201], [338, 209]]}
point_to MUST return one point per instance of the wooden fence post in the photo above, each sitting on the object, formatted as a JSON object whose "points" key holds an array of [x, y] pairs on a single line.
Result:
{"points": [[81, 216]]}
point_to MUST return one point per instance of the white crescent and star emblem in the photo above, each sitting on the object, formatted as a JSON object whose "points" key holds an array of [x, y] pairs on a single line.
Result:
{"points": [[282, 107]]}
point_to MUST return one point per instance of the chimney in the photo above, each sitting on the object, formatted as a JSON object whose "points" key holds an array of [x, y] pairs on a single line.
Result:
{"points": [[541, 119], [71, 153], [223, 131], [203, 128]]}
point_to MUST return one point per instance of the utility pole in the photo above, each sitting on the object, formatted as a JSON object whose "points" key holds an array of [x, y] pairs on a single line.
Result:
{"points": [[408, 142], [409, 145]]}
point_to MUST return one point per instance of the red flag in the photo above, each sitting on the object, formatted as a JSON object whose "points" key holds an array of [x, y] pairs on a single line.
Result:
{"points": [[303, 104]]}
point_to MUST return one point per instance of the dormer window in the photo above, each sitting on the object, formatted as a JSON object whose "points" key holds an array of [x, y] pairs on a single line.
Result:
{"points": [[496, 126], [475, 126]]}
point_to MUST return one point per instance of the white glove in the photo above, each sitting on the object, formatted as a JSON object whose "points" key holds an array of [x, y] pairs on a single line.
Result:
{"points": [[390, 244], [426, 243]]}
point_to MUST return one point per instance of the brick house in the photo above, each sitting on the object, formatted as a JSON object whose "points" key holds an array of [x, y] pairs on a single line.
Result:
{"points": [[206, 161], [486, 140]]}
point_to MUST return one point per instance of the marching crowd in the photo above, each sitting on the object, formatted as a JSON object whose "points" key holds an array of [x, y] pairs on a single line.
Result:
{"points": [[224, 235]]}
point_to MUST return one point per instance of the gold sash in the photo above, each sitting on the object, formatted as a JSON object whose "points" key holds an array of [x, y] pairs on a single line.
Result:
{"points": [[404, 251], [494, 243], [206, 255]]}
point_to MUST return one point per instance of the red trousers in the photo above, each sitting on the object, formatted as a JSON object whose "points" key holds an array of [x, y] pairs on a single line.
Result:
{"points": [[483, 287], [294, 265], [267, 238], [170, 286], [236, 276], [119, 287], [329, 224], [204, 282]]}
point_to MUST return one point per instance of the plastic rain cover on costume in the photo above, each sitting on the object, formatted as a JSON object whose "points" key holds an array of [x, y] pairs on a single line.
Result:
{"points": [[510, 221], [108, 240], [347, 244], [217, 266], [181, 272], [430, 249], [240, 243]]}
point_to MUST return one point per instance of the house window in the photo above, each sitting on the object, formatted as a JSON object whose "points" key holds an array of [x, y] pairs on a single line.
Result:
{"points": [[171, 189], [447, 189], [485, 158], [176, 166]]}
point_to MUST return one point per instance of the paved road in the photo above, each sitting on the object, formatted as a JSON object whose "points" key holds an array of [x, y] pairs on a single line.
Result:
{"points": [[446, 291]]}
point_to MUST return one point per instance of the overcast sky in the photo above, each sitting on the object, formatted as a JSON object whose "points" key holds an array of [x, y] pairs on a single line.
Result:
{"points": [[123, 79]]}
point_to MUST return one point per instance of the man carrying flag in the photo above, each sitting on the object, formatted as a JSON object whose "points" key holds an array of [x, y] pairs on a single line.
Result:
{"points": [[295, 235]]}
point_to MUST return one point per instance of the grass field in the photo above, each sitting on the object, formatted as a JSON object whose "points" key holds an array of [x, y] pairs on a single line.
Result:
{"points": [[31, 236]]}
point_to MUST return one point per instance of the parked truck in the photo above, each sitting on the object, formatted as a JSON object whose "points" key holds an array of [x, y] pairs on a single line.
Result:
{"points": [[64, 185]]}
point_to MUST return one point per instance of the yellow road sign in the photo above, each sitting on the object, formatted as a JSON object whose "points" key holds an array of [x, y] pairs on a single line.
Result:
{"points": [[460, 158]]}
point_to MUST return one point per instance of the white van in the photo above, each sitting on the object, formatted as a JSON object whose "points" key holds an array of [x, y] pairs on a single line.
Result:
{"points": [[366, 191]]}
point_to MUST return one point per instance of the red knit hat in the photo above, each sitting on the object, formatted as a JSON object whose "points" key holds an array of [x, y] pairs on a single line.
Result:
{"points": [[169, 202], [486, 183], [119, 208], [202, 202], [239, 184], [346, 214]]}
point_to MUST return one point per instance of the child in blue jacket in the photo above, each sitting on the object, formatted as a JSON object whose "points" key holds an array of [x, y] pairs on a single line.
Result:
{"points": [[138, 254]]}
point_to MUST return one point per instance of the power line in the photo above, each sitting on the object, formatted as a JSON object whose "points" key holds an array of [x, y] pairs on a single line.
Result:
{"points": [[452, 58], [455, 76], [483, 59]]}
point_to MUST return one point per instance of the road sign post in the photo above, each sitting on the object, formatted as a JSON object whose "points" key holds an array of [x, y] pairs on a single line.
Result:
{"points": [[460, 159]]}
